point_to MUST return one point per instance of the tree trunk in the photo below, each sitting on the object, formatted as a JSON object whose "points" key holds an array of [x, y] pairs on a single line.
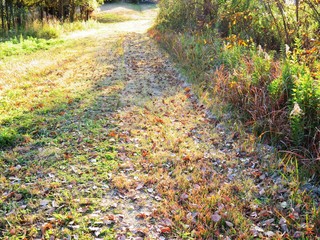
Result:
{"points": [[7, 15], [2, 15], [72, 10], [61, 13]]}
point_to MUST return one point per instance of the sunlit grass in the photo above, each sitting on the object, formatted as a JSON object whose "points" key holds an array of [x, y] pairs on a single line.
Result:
{"points": [[106, 17], [49, 98]]}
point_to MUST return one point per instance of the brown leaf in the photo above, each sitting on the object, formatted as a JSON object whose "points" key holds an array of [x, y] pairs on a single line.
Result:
{"points": [[186, 158], [45, 227], [141, 216], [67, 155], [18, 196], [10, 195], [187, 89]]}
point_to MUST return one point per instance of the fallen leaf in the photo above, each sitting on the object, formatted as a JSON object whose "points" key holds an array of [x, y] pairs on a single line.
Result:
{"points": [[186, 158], [112, 134], [297, 234], [187, 89], [45, 227], [18, 196], [259, 229], [184, 197], [144, 153], [141, 216], [94, 229], [269, 234], [165, 230], [268, 222], [140, 186], [282, 221], [159, 120], [44, 203], [215, 217], [229, 224]]}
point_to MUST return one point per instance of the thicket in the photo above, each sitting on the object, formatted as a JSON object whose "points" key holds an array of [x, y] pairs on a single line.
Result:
{"points": [[262, 57]]}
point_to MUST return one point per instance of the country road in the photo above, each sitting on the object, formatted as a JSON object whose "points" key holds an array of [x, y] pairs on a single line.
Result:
{"points": [[111, 143]]}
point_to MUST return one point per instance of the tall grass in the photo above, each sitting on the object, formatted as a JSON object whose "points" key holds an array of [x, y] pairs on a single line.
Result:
{"points": [[278, 97], [40, 36]]}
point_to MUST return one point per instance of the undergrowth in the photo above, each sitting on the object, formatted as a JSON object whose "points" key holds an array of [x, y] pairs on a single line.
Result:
{"points": [[278, 97], [268, 75]]}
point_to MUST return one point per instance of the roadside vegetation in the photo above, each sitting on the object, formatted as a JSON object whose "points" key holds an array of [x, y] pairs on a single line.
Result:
{"points": [[260, 61]]}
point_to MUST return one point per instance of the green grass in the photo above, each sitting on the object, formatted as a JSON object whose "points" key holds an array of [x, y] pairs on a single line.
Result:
{"points": [[18, 46], [110, 17], [52, 135]]}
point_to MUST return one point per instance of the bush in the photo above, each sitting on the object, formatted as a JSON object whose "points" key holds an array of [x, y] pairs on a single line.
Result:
{"points": [[268, 23]]}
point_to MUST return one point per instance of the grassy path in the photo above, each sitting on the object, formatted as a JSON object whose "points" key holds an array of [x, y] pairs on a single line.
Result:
{"points": [[101, 139]]}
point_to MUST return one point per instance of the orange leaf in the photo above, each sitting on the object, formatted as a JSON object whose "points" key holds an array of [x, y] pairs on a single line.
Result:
{"points": [[112, 134], [188, 95], [186, 158], [165, 230], [45, 227], [141, 216], [159, 120], [187, 89], [144, 153]]}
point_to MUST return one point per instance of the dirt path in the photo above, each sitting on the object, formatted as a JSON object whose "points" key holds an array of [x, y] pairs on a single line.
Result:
{"points": [[115, 146]]}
